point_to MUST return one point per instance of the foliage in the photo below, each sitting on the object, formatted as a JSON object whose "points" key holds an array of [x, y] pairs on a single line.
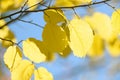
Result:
{"points": [[85, 36]]}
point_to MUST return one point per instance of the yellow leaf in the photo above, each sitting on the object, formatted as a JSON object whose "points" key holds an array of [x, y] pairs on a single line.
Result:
{"points": [[54, 38], [116, 21], [97, 48], [66, 3], [12, 57], [78, 2], [66, 29], [32, 51], [101, 24], [23, 71], [81, 37], [65, 52], [32, 4], [7, 5], [113, 46], [19, 3], [9, 36], [49, 55], [70, 3], [54, 16], [42, 74], [5, 33]]}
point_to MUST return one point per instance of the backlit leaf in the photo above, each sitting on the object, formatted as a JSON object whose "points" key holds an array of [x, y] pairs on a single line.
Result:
{"points": [[19, 3], [7, 5], [23, 71], [113, 45], [101, 24], [81, 37], [32, 51], [42, 74], [5, 33], [116, 21], [9, 36], [12, 57], [97, 48], [70, 3], [49, 55], [32, 4]]}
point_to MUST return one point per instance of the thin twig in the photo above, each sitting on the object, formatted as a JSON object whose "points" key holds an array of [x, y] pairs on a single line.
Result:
{"points": [[7, 40], [15, 18], [30, 22], [19, 42], [13, 43], [75, 13], [112, 7], [24, 4], [39, 3], [41, 10]]}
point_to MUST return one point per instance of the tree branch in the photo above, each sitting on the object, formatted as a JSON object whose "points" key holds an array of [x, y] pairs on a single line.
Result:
{"points": [[30, 22], [42, 10], [7, 40]]}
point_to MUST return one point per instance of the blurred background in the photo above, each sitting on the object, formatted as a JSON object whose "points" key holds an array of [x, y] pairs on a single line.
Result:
{"points": [[104, 67]]}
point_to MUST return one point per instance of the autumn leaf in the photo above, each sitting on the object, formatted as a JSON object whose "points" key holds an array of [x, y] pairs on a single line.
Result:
{"points": [[7, 5], [32, 51], [12, 57], [54, 37], [101, 24], [54, 16], [32, 4], [7, 34], [23, 71], [97, 48], [66, 52], [116, 21], [113, 45], [81, 37], [70, 3], [42, 74]]}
